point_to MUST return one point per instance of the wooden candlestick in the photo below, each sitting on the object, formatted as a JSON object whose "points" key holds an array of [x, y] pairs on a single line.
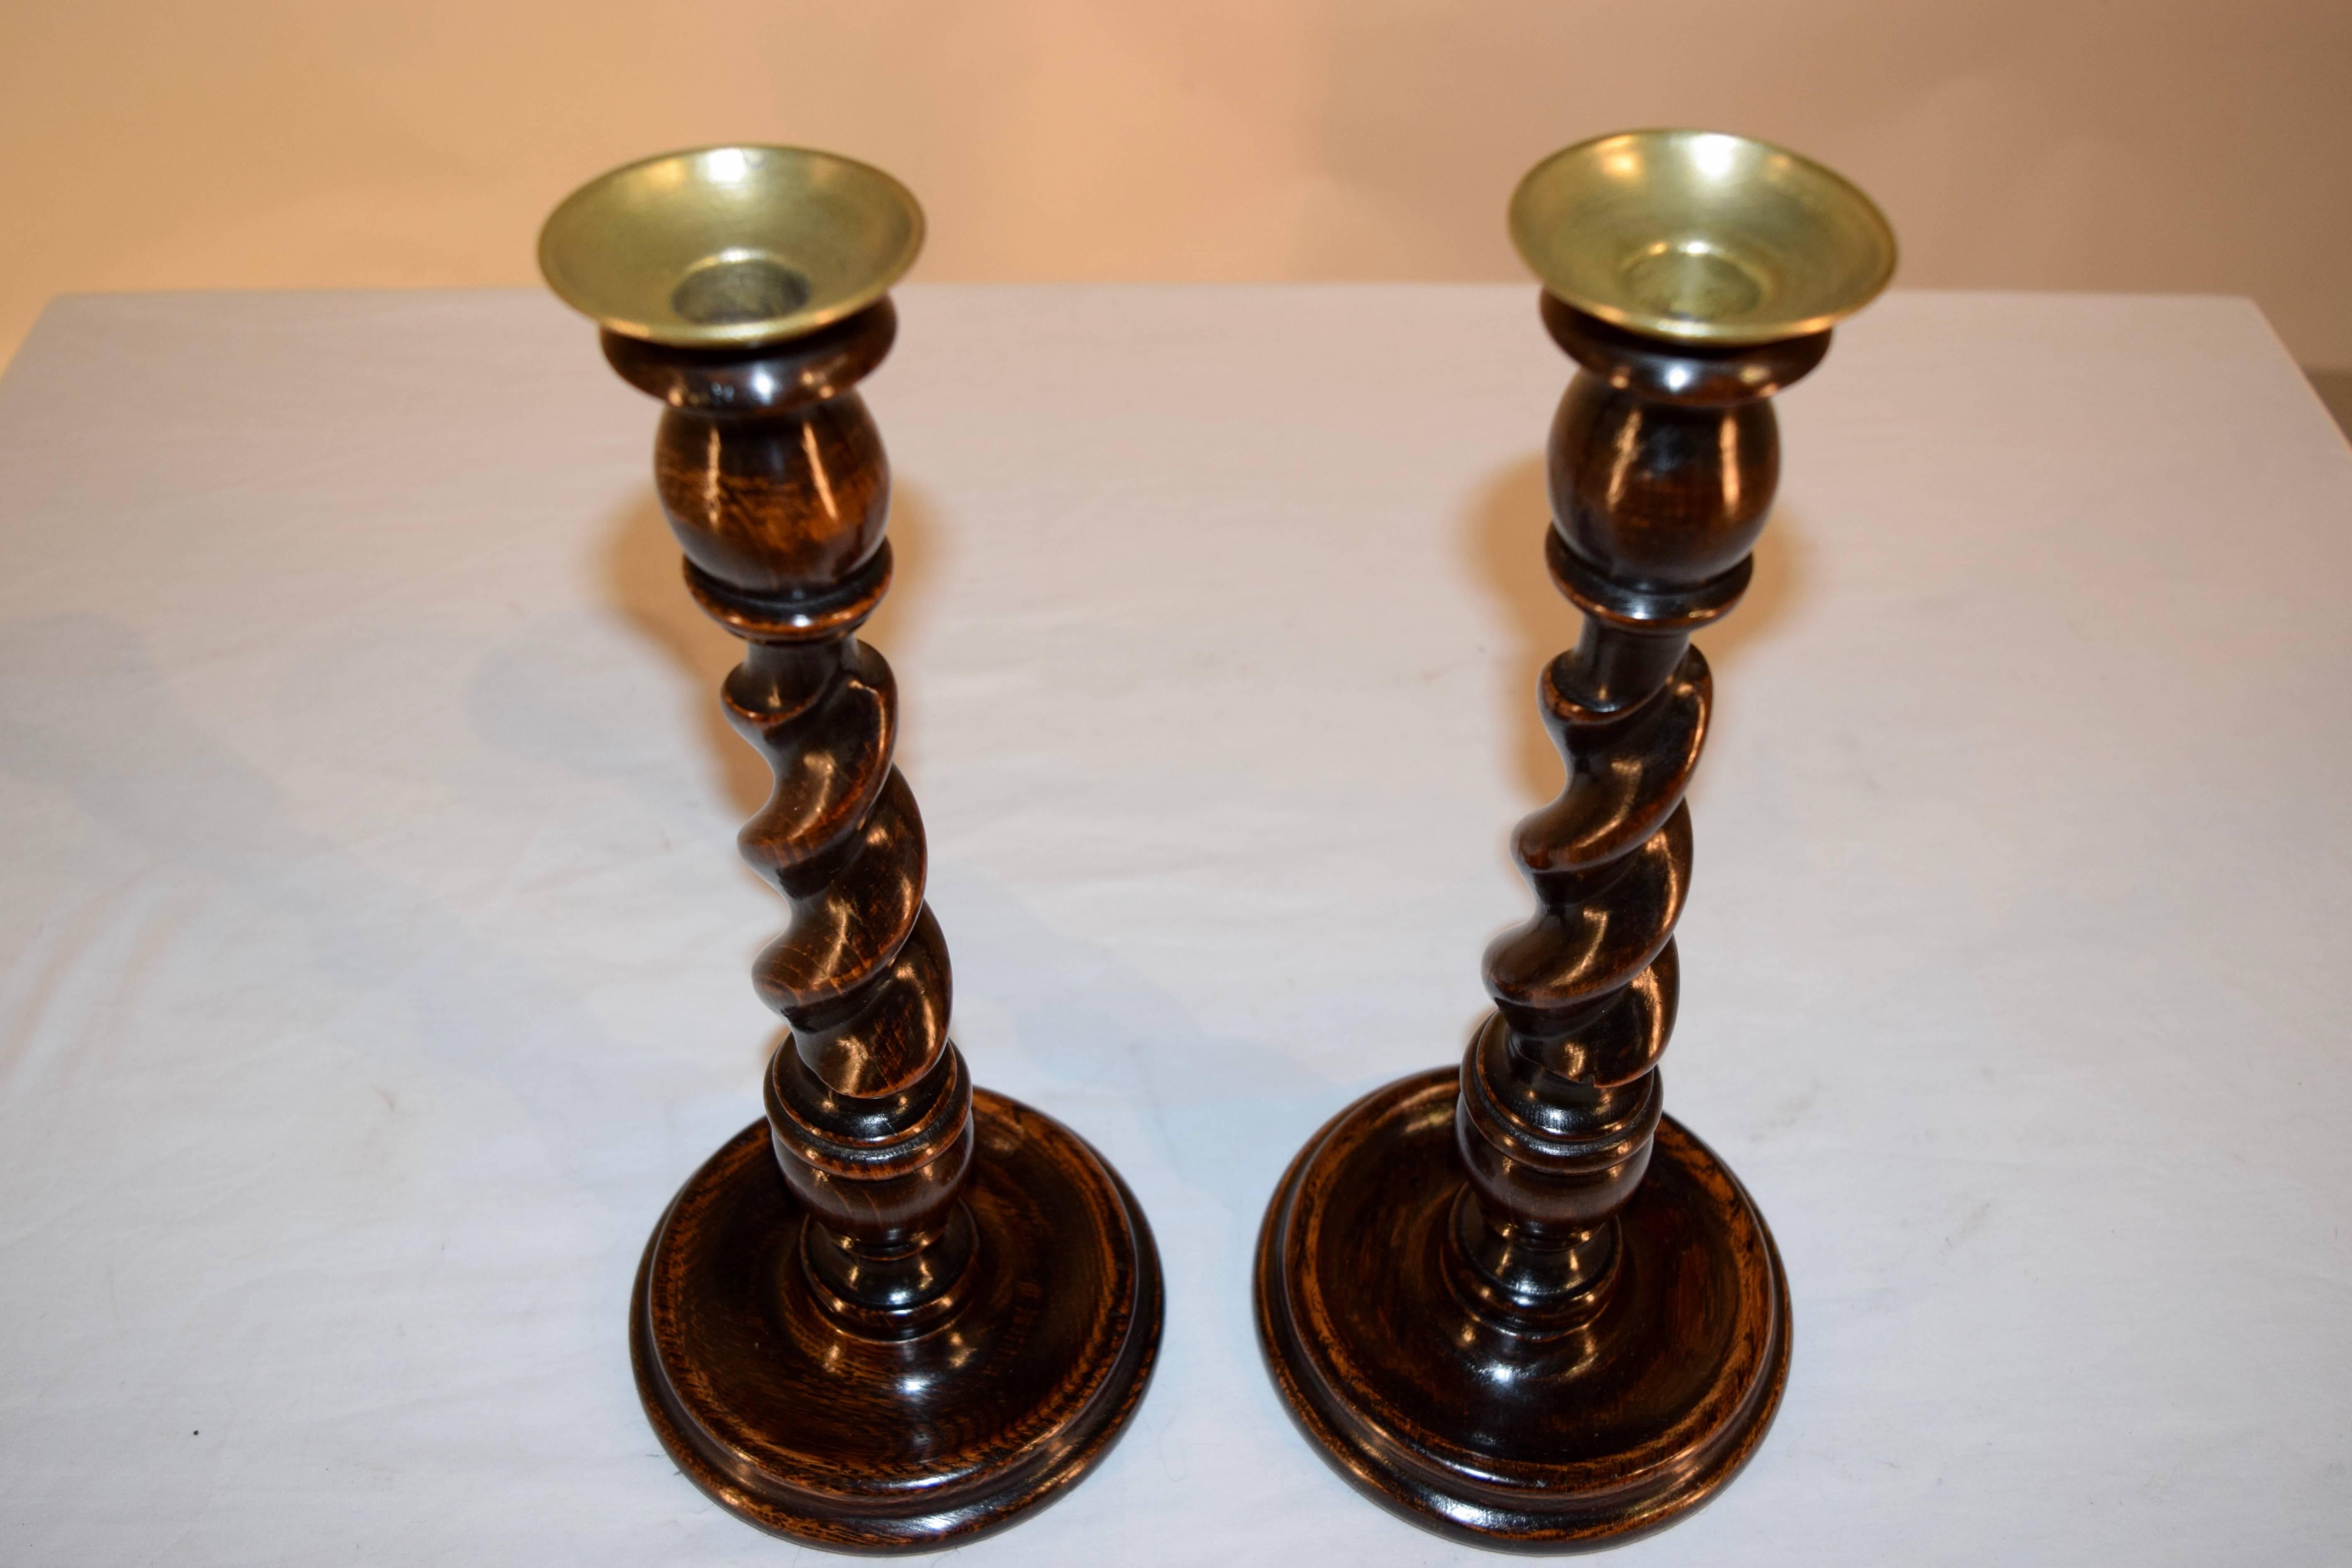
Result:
{"points": [[1515, 1301], [900, 1312]]}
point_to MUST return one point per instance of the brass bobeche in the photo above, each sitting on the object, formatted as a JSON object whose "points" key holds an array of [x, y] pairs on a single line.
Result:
{"points": [[731, 247], [1700, 236]]}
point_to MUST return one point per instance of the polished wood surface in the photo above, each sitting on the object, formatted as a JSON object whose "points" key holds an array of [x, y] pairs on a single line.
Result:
{"points": [[1516, 1303], [900, 1312]]}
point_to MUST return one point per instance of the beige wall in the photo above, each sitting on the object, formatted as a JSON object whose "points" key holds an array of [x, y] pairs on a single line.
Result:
{"points": [[2167, 144]]}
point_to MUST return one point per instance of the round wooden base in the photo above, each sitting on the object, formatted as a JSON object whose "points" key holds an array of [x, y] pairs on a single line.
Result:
{"points": [[861, 1445], [1584, 1439]]}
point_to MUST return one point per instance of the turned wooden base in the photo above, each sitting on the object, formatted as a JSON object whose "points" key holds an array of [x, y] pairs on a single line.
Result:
{"points": [[1586, 1438], [854, 1444]]}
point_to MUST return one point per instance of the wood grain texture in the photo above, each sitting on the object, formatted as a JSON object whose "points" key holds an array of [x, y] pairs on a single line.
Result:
{"points": [[860, 1443], [899, 1312], [1516, 1302]]}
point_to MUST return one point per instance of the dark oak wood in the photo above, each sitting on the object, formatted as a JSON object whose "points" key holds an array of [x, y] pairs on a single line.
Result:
{"points": [[899, 1312], [1516, 1302]]}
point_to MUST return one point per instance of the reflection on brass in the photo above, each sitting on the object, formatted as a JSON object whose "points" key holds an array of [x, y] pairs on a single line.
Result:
{"points": [[1700, 236], [725, 246]]}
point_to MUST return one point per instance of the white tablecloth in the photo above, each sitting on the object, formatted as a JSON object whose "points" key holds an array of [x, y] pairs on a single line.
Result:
{"points": [[376, 956]]}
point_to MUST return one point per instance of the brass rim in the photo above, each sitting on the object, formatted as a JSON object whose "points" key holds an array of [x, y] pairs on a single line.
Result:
{"points": [[1701, 237], [730, 246]]}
